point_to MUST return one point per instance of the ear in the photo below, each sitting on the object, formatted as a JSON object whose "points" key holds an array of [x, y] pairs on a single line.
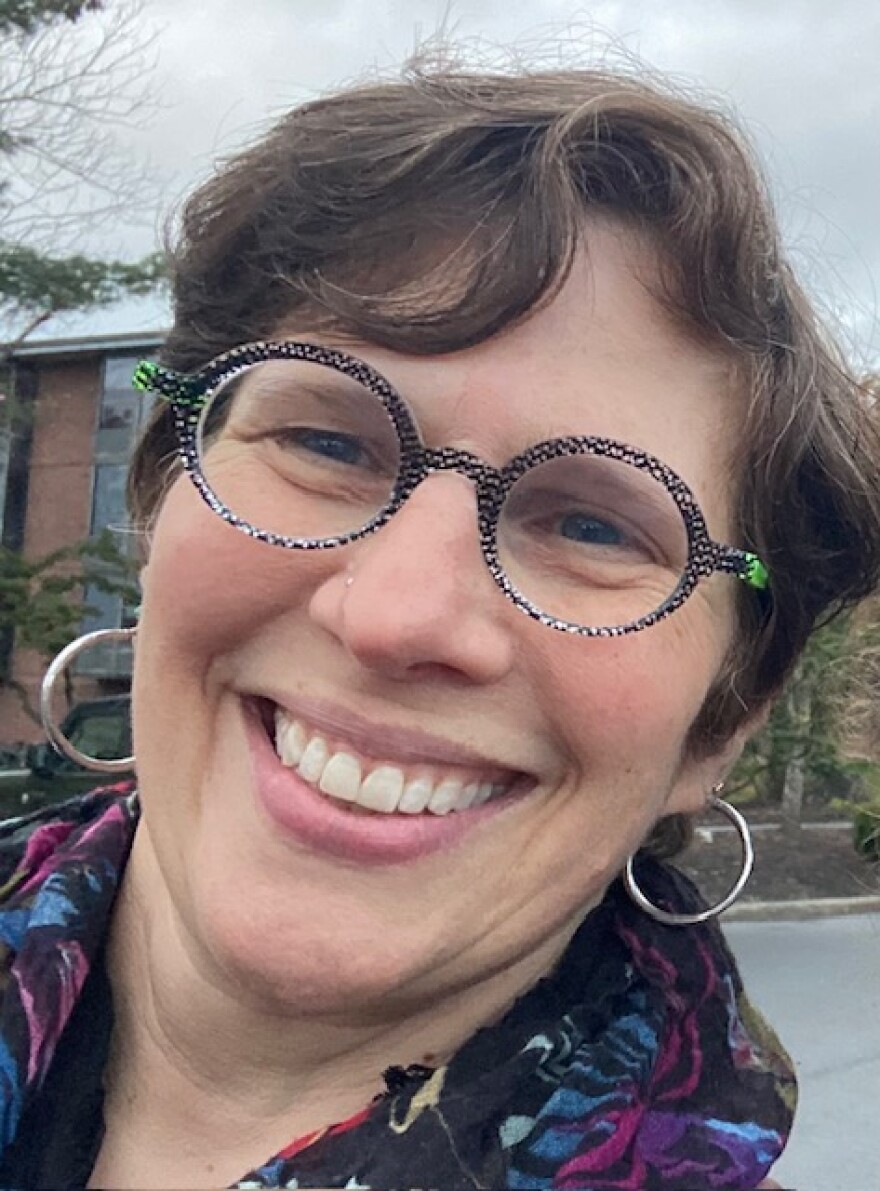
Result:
{"points": [[698, 776], [144, 571], [731, 751]]}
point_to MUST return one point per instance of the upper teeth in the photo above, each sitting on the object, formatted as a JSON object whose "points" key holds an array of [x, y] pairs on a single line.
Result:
{"points": [[385, 788]]}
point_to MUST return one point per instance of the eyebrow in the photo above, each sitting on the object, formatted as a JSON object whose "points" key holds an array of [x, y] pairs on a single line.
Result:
{"points": [[333, 391]]}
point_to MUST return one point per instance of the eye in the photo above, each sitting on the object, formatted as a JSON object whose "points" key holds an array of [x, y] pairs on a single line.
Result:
{"points": [[329, 444], [581, 527]]}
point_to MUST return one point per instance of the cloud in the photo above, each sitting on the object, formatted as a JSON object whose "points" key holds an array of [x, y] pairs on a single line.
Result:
{"points": [[803, 75]]}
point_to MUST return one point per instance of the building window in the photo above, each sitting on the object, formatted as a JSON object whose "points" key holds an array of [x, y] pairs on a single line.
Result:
{"points": [[121, 413]]}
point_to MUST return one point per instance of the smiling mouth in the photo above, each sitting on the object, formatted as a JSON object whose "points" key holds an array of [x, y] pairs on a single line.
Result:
{"points": [[338, 770]]}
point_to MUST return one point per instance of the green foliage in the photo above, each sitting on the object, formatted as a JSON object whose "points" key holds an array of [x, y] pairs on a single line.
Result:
{"points": [[813, 722], [865, 815], [34, 282], [866, 830], [28, 16], [41, 599]]}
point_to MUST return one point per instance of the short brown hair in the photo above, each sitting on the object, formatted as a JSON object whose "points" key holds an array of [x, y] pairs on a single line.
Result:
{"points": [[427, 213]]}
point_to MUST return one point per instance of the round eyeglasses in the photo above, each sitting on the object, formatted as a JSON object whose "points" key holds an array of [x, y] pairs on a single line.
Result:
{"points": [[306, 447]]}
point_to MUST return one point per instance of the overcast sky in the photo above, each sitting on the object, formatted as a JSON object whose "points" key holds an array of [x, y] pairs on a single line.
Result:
{"points": [[804, 76]]}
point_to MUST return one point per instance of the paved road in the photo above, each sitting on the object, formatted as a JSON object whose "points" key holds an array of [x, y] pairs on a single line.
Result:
{"points": [[819, 984]]}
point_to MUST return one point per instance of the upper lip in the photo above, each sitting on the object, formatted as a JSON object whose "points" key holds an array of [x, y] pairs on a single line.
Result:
{"points": [[385, 740]]}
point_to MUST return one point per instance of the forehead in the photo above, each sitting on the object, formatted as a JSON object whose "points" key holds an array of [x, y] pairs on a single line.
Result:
{"points": [[603, 357]]}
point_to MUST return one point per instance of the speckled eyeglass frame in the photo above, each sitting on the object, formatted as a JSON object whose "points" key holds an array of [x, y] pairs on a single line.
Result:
{"points": [[190, 393]]}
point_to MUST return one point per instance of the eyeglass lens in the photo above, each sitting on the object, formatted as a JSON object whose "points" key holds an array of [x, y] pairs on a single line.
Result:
{"points": [[301, 450]]}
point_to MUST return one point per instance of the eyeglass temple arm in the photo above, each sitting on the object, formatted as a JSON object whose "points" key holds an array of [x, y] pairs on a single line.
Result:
{"points": [[181, 390], [746, 566]]}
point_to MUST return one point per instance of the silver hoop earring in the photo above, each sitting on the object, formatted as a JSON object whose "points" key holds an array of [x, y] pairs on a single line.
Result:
{"points": [[56, 668], [748, 860]]}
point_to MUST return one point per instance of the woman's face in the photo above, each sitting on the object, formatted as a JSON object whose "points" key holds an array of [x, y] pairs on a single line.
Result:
{"points": [[400, 652]]}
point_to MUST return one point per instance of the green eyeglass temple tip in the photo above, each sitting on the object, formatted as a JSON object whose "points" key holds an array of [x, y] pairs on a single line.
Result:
{"points": [[755, 573], [150, 377], [145, 375]]}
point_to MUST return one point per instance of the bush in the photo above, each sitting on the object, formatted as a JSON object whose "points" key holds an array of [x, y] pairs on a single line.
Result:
{"points": [[818, 740], [866, 830]]}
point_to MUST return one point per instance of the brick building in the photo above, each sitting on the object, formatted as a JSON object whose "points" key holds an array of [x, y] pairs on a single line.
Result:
{"points": [[62, 478]]}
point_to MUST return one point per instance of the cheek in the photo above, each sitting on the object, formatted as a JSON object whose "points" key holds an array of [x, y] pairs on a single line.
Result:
{"points": [[208, 587], [631, 694]]}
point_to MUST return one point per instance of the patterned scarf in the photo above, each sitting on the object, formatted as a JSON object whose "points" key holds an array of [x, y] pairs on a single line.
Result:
{"points": [[637, 1065]]}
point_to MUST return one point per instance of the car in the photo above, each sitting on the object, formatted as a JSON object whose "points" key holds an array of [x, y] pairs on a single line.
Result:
{"points": [[99, 727]]}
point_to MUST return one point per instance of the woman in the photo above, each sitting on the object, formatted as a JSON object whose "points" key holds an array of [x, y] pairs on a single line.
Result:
{"points": [[489, 406]]}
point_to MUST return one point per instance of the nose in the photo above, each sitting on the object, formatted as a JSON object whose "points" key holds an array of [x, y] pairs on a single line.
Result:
{"points": [[416, 597]]}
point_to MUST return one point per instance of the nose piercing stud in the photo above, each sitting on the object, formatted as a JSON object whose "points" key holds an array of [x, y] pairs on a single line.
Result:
{"points": [[349, 582]]}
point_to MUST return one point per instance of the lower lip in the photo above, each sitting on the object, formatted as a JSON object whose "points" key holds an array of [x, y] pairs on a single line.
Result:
{"points": [[325, 825]]}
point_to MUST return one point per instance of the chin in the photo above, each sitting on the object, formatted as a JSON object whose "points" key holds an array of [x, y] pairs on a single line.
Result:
{"points": [[316, 955]]}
